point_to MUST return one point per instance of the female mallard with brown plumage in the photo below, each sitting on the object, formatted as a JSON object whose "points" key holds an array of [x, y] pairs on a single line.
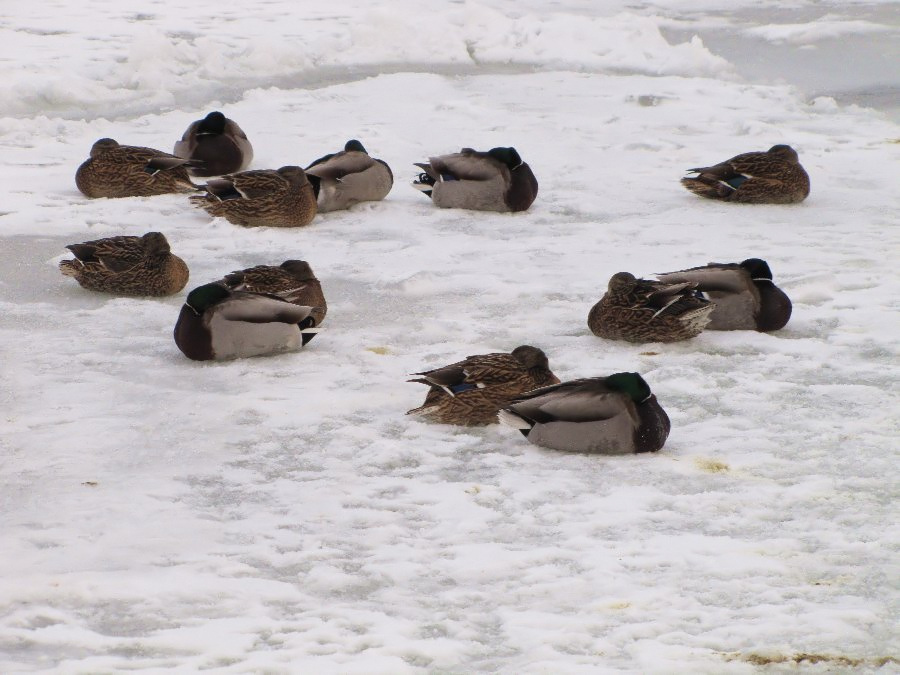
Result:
{"points": [[293, 281], [127, 265], [115, 170], [262, 198], [217, 145], [639, 310], [744, 295], [496, 180], [217, 323], [771, 177], [614, 415], [349, 177], [470, 392]]}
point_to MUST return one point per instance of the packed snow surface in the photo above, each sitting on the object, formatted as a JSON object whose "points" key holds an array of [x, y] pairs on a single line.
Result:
{"points": [[284, 515]]}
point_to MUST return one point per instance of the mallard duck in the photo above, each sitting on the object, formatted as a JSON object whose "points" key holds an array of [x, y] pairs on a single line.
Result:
{"points": [[771, 177], [217, 144], [217, 323], [115, 170], [345, 178], [638, 310], [470, 392], [127, 266], [263, 198], [744, 295], [614, 415], [293, 281], [496, 180]]}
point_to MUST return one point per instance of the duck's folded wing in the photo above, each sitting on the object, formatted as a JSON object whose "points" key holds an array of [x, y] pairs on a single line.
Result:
{"points": [[258, 308], [341, 164], [714, 277], [466, 166], [578, 401], [255, 184]]}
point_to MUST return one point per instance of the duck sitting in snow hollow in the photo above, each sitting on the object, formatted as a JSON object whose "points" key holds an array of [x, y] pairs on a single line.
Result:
{"points": [[261, 198], [127, 265], [771, 177], [217, 323], [641, 310], [470, 392], [115, 170], [217, 144], [292, 280], [744, 295], [345, 178], [496, 180], [615, 415]]}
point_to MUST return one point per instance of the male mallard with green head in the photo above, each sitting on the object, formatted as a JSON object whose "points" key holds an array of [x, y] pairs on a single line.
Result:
{"points": [[638, 310], [771, 177], [262, 198], [496, 180], [126, 265], [614, 415], [217, 145], [744, 294], [470, 392], [115, 170], [293, 281], [217, 323], [348, 177]]}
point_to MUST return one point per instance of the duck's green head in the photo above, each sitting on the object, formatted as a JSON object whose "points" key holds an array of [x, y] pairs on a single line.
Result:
{"points": [[354, 145], [758, 269], [508, 156], [630, 383], [203, 297], [214, 123]]}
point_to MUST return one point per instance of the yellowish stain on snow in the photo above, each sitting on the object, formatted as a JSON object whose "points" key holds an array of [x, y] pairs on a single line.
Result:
{"points": [[378, 350], [711, 465]]}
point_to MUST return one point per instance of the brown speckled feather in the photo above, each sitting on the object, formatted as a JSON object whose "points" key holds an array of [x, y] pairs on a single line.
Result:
{"points": [[134, 266], [472, 391], [115, 170], [638, 310], [282, 198], [771, 177], [293, 281]]}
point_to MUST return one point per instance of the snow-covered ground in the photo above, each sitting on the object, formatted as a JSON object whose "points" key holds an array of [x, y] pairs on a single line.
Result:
{"points": [[283, 515]]}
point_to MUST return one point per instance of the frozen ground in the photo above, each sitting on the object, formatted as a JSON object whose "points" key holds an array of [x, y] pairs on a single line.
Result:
{"points": [[282, 515]]}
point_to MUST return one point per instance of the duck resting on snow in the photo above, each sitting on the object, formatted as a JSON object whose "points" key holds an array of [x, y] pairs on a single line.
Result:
{"points": [[771, 177], [744, 295], [216, 144], [614, 415], [292, 280], [471, 391], [127, 265], [496, 180], [348, 177], [115, 170], [261, 198], [641, 310], [217, 323]]}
